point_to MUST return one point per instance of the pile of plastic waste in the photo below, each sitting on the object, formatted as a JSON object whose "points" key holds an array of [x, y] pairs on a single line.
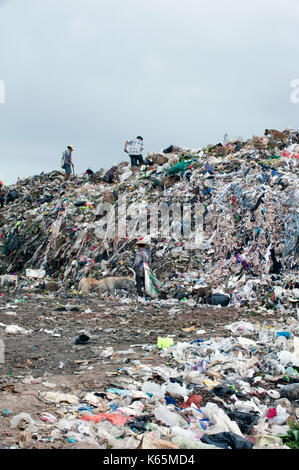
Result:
{"points": [[236, 392], [239, 391], [248, 191]]}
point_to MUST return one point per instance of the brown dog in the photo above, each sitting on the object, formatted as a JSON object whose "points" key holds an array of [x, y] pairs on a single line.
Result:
{"points": [[204, 293], [111, 283], [276, 135], [87, 284]]}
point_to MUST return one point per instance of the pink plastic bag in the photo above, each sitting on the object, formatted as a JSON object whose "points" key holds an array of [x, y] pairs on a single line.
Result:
{"points": [[118, 420]]}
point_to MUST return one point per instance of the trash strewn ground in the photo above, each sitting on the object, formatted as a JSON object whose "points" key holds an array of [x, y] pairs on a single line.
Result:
{"points": [[227, 372], [83, 371]]}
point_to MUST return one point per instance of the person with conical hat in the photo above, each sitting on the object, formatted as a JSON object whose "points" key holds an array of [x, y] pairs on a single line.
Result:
{"points": [[142, 256]]}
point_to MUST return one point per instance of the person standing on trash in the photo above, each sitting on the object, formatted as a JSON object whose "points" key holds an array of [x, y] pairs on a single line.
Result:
{"points": [[135, 148], [142, 256], [2, 194], [68, 163]]}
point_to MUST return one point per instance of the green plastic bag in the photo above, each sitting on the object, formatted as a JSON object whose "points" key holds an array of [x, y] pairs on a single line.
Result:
{"points": [[179, 167], [152, 285], [164, 342]]}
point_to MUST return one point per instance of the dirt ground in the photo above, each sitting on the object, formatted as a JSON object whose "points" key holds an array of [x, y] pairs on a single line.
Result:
{"points": [[49, 352]]}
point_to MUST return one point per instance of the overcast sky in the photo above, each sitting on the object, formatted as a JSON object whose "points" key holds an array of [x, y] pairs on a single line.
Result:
{"points": [[93, 73]]}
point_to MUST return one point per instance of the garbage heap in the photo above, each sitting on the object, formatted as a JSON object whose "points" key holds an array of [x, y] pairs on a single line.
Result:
{"points": [[248, 191], [237, 392]]}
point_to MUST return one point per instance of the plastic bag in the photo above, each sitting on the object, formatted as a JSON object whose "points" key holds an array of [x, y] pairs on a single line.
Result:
{"points": [[114, 418], [152, 285], [164, 342], [280, 417], [153, 389], [163, 414], [290, 391], [16, 420], [219, 299], [227, 440], [245, 421], [180, 167], [35, 273]]}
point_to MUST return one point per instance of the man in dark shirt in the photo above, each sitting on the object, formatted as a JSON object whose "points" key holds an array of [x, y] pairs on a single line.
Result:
{"points": [[110, 175]]}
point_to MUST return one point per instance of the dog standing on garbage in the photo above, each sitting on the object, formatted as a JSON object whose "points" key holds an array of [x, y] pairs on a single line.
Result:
{"points": [[87, 284], [204, 293], [276, 135], [9, 280], [111, 283]]}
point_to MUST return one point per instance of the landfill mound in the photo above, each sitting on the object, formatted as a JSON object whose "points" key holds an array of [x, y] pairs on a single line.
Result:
{"points": [[121, 372], [249, 196]]}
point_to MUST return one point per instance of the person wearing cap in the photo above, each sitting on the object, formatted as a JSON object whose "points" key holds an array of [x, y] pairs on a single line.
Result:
{"points": [[2, 194], [135, 149], [68, 164], [142, 256]]}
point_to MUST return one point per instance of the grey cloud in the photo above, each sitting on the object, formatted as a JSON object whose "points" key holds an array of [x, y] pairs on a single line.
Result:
{"points": [[94, 73]]}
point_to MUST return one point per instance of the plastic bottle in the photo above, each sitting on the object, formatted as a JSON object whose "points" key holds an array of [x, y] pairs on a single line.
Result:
{"points": [[163, 414]]}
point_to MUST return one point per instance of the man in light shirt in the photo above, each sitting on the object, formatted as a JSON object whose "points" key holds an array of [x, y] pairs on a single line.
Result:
{"points": [[135, 149]]}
